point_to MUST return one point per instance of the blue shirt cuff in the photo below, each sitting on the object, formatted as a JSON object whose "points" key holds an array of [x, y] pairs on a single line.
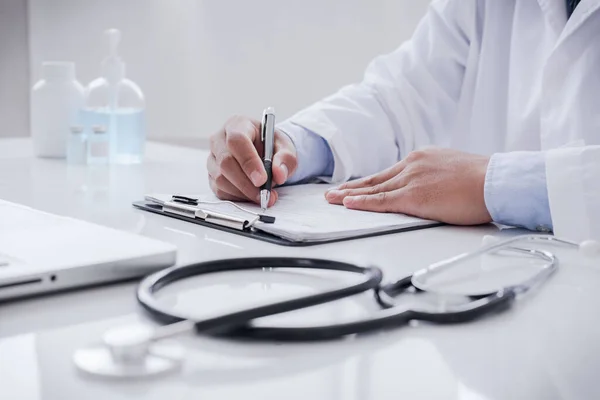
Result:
{"points": [[515, 190], [313, 153]]}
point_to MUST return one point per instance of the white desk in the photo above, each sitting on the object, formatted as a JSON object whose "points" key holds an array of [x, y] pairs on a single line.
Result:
{"points": [[548, 347]]}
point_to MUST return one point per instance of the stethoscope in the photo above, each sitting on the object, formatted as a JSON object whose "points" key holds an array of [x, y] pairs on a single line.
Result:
{"points": [[143, 351]]}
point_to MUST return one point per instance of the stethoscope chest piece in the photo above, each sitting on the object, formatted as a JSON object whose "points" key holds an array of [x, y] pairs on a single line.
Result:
{"points": [[129, 352]]}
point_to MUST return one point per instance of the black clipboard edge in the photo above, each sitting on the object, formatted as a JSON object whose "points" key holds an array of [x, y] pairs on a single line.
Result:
{"points": [[267, 237]]}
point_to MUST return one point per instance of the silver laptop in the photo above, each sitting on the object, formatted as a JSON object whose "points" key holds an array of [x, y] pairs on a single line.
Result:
{"points": [[42, 252]]}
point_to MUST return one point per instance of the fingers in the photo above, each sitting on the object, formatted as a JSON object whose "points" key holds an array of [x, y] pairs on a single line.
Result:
{"points": [[226, 170], [235, 166], [379, 202], [240, 137], [274, 198], [374, 179], [231, 170], [285, 160], [284, 165], [336, 196], [221, 194], [225, 190], [221, 183]]}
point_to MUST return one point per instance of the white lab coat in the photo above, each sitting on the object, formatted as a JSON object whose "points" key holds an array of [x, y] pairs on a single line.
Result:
{"points": [[483, 77]]}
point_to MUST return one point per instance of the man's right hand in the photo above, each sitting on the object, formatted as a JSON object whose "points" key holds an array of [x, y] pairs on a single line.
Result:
{"points": [[235, 166]]}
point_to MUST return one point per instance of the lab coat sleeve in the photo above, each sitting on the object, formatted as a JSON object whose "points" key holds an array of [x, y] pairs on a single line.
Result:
{"points": [[515, 190], [407, 98], [573, 179]]}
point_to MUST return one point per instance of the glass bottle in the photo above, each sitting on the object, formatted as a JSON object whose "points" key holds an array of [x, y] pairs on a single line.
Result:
{"points": [[117, 103]]}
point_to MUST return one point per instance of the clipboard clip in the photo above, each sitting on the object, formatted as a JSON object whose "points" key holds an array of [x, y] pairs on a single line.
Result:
{"points": [[192, 201], [212, 217]]}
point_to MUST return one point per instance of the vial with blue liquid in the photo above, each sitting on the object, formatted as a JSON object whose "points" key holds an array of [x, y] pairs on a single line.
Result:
{"points": [[115, 105]]}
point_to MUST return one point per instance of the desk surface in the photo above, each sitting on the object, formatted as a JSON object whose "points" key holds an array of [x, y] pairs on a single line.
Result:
{"points": [[547, 347]]}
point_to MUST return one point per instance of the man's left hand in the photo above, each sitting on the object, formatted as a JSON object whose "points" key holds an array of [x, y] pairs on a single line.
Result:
{"points": [[438, 184]]}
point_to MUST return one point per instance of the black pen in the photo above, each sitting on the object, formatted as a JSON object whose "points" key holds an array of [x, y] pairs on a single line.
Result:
{"points": [[268, 138]]}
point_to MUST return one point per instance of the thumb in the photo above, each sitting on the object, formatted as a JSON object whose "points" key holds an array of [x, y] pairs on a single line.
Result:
{"points": [[284, 165]]}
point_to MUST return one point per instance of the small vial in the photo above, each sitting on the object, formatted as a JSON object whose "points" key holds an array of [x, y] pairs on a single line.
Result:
{"points": [[77, 146], [98, 145]]}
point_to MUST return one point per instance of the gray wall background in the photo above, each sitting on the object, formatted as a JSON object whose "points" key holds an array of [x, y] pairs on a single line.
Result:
{"points": [[196, 60], [14, 69]]}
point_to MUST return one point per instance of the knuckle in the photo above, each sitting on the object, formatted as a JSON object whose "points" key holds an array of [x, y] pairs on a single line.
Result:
{"points": [[381, 197], [410, 173], [235, 138], [226, 162], [220, 180], [373, 190], [369, 180], [415, 155], [248, 164]]}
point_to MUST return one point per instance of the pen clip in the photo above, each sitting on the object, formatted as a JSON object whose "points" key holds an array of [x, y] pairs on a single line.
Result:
{"points": [[263, 127]]}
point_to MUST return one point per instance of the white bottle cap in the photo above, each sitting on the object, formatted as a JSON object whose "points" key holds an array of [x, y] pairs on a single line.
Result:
{"points": [[58, 70]]}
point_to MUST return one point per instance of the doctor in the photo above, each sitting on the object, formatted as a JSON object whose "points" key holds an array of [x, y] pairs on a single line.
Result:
{"points": [[491, 112]]}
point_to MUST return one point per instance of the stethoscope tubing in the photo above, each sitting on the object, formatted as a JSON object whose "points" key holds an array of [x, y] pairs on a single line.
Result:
{"points": [[239, 324], [382, 320], [372, 277]]}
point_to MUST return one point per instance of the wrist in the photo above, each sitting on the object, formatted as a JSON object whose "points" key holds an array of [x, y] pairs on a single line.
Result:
{"points": [[481, 168]]}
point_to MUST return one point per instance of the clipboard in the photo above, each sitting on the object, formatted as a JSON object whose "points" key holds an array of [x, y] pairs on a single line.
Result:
{"points": [[244, 227]]}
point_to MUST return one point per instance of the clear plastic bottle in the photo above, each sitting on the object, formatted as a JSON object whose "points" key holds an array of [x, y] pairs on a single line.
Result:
{"points": [[55, 102], [116, 104]]}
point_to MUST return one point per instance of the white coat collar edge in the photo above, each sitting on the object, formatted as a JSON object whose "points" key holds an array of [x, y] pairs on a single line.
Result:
{"points": [[556, 13], [582, 13]]}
